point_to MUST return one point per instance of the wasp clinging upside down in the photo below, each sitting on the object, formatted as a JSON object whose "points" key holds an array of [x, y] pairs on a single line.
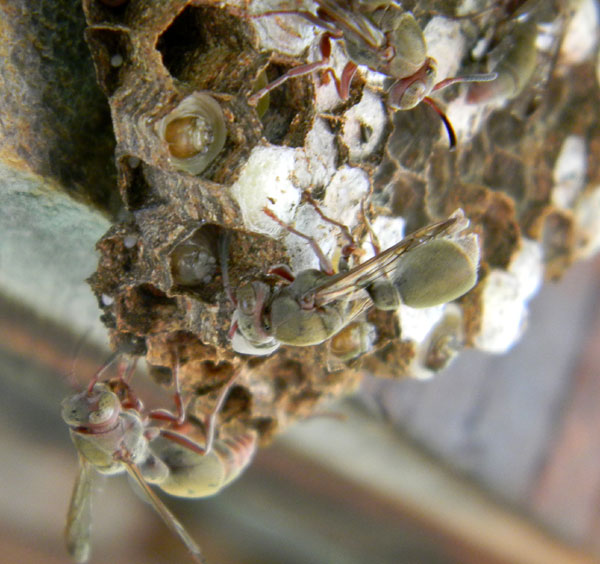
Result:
{"points": [[429, 267], [383, 37], [113, 435]]}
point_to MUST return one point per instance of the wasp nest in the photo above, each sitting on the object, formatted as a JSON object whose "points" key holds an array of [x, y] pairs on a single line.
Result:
{"points": [[333, 144]]}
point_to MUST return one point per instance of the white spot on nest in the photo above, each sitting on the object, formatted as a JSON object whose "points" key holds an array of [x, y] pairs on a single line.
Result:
{"points": [[569, 172], [344, 194], [266, 181], [373, 78], [505, 298], [309, 222], [347, 189], [448, 329], [416, 324], [388, 230], [446, 44], [107, 300], [130, 241], [116, 60], [528, 266], [468, 7], [587, 212], [317, 165], [466, 119], [581, 34], [503, 313], [364, 124]]}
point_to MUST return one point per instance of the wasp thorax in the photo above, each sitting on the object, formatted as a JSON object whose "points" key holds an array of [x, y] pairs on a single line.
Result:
{"points": [[409, 92], [384, 295], [194, 133]]}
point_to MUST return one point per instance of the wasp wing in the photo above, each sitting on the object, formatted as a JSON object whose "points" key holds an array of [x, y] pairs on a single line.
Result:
{"points": [[79, 515], [346, 16], [170, 520], [346, 285]]}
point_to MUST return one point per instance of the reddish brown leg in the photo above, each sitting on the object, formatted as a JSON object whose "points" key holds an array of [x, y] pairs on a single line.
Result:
{"points": [[374, 239], [325, 263], [178, 419], [301, 70], [283, 271], [121, 387], [351, 246], [347, 76], [343, 228], [232, 330]]}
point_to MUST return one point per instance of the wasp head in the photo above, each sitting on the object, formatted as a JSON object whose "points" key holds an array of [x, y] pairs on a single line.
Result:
{"points": [[253, 334], [409, 92]]}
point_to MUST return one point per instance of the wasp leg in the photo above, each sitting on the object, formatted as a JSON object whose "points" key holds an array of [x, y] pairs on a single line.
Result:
{"points": [[343, 84], [301, 70], [120, 386], [282, 271], [178, 419], [325, 263], [351, 247], [373, 236]]}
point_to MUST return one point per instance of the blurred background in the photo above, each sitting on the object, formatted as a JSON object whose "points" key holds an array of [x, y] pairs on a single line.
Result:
{"points": [[496, 460]]}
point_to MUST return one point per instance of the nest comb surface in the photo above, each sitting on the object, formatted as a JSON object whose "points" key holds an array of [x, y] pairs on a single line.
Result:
{"points": [[150, 56]]}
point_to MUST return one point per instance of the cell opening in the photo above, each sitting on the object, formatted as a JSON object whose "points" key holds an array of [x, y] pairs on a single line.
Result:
{"points": [[209, 48], [288, 114]]}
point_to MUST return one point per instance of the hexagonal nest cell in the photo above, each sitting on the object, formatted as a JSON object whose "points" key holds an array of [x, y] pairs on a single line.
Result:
{"points": [[162, 268], [210, 48]]}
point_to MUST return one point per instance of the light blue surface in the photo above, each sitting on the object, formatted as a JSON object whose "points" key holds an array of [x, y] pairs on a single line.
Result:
{"points": [[47, 251]]}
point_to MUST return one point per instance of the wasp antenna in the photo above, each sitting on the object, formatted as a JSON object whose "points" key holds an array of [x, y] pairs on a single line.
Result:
{"points": [[111, 360], [77, 349], [485, 77], [445, 120]]}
